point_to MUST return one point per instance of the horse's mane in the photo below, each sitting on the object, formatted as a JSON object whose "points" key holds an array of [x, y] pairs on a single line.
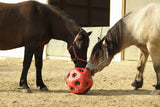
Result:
{"points": [[114, 38], [67, 19], [63, 15]]}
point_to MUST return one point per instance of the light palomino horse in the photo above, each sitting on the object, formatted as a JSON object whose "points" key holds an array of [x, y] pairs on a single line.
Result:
{"points": [[140, 28]]}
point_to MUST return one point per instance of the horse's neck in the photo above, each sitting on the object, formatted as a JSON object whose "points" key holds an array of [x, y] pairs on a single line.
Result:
{"points": [[126, 42], [73, 31], [69, 34], [127, 37], [64, 32], [62, 26], [114, 38], [120, 37]]}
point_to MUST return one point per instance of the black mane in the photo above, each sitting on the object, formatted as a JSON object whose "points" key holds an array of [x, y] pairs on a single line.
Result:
{"points": [[65, 17], [62, 14], [114, 38]]}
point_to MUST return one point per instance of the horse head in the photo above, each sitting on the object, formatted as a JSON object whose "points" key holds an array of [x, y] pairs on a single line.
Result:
{"points": [[78, 49], [101, 56], [105, 49]]}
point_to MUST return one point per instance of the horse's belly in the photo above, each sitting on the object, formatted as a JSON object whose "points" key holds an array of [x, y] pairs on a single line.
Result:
{"points": [[9, 45]]}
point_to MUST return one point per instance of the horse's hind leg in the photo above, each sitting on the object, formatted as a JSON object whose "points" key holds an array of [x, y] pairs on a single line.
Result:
{"points": [[39, 63], [138, 82], [156, 65], [28, 54]]}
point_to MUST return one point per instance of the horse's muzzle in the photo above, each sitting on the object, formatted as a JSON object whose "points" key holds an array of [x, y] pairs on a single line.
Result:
{"points": [[90, 70]]}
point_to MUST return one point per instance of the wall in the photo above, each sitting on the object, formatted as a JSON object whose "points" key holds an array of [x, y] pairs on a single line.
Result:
{"points": [[57, 48], [16, 1], [115, 15]]}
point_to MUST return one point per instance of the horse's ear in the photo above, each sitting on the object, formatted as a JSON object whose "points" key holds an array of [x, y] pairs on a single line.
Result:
{"points": [[89, 33], [98, 38], [104, 43]]}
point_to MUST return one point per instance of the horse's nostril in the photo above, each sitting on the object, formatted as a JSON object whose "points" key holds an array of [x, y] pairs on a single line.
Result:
{"points": [[91, 71], [87, 68]]}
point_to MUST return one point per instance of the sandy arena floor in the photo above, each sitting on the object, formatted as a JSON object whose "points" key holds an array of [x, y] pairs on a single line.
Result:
{"points": [[111, 87]]}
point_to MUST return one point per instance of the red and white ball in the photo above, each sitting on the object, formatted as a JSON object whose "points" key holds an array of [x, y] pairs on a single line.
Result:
{"points": [[79, 80]]}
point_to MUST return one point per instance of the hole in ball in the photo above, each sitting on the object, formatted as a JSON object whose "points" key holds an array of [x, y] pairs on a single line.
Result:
{"points": [[77, 83], [88, 76], [72, 88], [81, 70], [74, 75], [86, 84]]}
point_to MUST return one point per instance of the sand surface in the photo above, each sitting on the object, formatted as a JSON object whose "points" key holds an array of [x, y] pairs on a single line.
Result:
{"points": [[111, 87]]}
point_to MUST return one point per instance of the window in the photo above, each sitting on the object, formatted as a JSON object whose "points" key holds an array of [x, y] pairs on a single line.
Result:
{"points": [[87, 13]]}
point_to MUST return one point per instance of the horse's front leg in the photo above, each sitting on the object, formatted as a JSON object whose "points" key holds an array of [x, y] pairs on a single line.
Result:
{"points": [[39, 63], [138, 82], [28, 54]]}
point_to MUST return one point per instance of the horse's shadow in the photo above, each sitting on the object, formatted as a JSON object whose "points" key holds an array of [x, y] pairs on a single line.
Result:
{"points": [[20, 90], [94, 92], [110, 92]]}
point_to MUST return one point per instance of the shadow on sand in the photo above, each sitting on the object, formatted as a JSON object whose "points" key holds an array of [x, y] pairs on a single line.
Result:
{"points": [[94, 92], [111, 92]]}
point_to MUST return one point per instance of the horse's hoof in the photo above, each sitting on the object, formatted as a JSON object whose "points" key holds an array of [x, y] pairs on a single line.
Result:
{"points": [[27, 90], [137, 84], [134, 88], [155, 92], [44, 89]]}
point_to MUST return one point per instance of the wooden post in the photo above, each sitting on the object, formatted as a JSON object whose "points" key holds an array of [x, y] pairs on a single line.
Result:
{"points": [[123, 13], [47, 1]]}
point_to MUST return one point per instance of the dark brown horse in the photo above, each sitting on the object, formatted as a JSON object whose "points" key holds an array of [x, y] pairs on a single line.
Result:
{"points": [[141, 28], [32, 25]]}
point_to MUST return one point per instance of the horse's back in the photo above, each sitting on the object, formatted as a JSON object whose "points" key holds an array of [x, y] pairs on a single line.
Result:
{"points": [[144, 23], [18, 22], [24, 10]]}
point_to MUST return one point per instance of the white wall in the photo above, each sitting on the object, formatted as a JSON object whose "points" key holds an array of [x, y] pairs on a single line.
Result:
{"points": [[115, 11], [18, 52], [115, 15], [16, 1]]}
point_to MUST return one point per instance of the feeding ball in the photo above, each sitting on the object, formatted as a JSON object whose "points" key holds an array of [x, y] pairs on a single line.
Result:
{"points": [[79, 80]]}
